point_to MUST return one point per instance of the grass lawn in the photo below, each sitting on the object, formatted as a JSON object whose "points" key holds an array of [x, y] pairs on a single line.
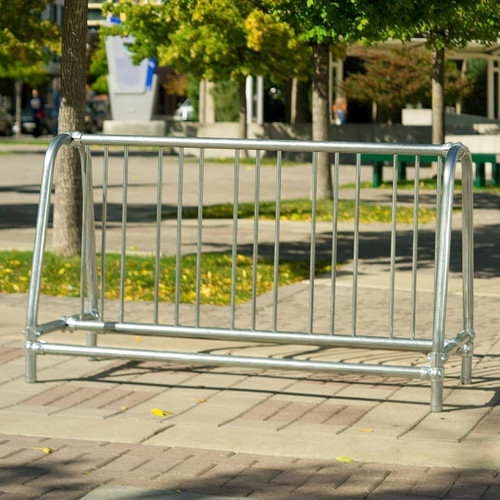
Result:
{"points": [[301, 210], [62, 274]]}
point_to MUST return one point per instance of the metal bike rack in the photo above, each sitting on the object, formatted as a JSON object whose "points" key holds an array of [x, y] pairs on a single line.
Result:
{"points": [[96, 318]]}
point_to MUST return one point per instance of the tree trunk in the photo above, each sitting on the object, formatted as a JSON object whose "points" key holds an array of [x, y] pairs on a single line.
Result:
{"points": [[68, 181], [438, 109], [320, 117]]}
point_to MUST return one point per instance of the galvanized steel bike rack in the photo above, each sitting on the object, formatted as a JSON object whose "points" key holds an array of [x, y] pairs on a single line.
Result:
{"points": [[93, 319]]}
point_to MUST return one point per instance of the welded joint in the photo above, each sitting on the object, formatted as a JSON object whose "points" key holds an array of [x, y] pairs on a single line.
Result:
{"points": [[35, 347], [458, 348], [466, 335], [91, 314], [471, 334], [438, 358], [461, 344], [32, 333], [70, 322], [467, 349], [77, 138], [431, 373]]}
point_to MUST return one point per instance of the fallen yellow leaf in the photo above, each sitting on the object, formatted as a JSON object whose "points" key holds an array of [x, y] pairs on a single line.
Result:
{"points": [[344, 459], [161, 413], [47, 450], [138, 338], [365, 430]]}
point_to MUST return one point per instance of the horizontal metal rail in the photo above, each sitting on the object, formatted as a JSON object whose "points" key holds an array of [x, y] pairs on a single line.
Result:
{"points": [[260, 145], [322, 340], [240, 361]]}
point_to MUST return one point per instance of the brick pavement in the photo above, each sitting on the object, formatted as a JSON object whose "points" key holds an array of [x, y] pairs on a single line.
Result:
{"points": [[36, 467]]}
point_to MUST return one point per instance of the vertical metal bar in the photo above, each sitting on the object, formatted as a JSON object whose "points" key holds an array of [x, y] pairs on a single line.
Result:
{"points": [[236, 185], [201, 183], [255, 253], [414, 265], [83, 253], [393, 244], [467, 265], [356, 245], [123, 252], [104, 224], [159, 199], [39, 250], [277, 242], [333, 290], [437, 356], [89, 241], [439, 187], [178, 256], [312, 252]]}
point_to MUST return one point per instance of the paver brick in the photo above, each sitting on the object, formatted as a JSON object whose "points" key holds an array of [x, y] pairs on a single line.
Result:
{"points": [[265, 410], [11, 353], [18, 491], [436, 483], [348, 416], [65, 493], [50, 396], [472, 485], [490, 424], [492, 493], [320, 413], [360, 485]]}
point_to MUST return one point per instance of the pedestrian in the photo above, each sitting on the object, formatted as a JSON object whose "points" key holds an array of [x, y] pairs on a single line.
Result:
{"points": [[340, 110], [36, 106]]}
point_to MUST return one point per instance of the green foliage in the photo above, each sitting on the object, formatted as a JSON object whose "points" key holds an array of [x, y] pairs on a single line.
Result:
{"points": [[212, 39], [445, 25], [98, 68], [395, 78], [457, 85], [226, 100], [26, 42], [323, 21], [391, 79], [193, 93]]}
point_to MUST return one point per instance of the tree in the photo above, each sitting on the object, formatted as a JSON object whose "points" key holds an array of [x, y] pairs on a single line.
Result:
{"points": [[26, 44], [324, 26], [215, 40], [68, 181], [98, 66], [395, 78], [445, 26]]}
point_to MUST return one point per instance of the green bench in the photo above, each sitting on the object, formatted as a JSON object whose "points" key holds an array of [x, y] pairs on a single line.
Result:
{"points": [[480, 159]]}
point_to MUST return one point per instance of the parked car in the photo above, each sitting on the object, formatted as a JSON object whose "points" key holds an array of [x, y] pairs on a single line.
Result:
{"points": [[48, 123], [184, 112], [6, 123]]}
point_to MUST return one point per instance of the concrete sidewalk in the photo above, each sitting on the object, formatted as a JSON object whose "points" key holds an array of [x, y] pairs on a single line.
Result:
{"points": [[112, 429], [240, 433]]}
